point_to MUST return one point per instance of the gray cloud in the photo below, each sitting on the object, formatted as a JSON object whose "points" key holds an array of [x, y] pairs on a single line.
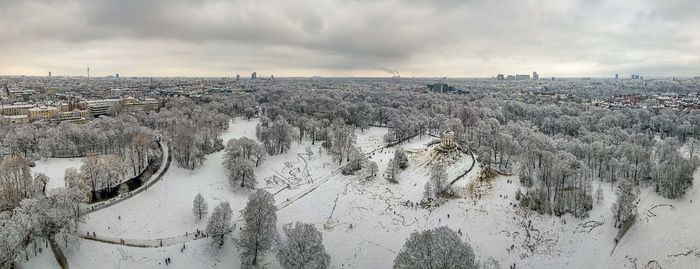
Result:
{"points": [[350, 37]]}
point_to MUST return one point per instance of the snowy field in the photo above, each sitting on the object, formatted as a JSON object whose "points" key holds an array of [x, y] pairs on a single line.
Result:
{"points": [[55, 169], [371, 139], [364, 224], [164, 210]]}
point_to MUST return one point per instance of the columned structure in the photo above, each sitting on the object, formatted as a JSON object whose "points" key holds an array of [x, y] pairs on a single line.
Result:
{"points": [[448, 141]]}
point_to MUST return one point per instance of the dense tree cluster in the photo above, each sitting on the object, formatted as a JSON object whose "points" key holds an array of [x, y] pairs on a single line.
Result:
{"points": [[193, 129], [17, 182], [401, 158], [276, 136], [625, 207], [52, 217], [302, 247], [99, 172], [672, 173], [436, 248], [557, 148], [122, 136], [340, 141], [240, 157], [359, 164], [395, 165], [220, 222], [437, 186]]}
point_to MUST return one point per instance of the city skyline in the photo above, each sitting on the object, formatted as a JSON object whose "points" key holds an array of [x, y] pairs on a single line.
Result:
{"points": [[350, 38]]}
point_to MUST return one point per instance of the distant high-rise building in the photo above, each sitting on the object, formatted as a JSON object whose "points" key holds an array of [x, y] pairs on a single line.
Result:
{"points": [[522, 77], [88, 72], [617, 76], [500, 77], [535, 76], [49, 73], [510, 77], [238, 77], [441, 88], [117, 75], [272, 76], [254, 75]]}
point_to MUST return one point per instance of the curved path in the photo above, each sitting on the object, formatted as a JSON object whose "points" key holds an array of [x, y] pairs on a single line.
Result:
{"points": [[471, 153], [165, 155], [190, 236]]}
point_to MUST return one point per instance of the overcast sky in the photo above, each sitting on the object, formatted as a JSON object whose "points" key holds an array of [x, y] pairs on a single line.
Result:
{"points": [[467, 38]]}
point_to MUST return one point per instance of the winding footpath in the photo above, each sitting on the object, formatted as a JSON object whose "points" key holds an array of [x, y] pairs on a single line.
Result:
{"points": [[471, 153]]}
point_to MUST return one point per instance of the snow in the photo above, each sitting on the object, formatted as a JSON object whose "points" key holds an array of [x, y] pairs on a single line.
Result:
{"points": [[55, 169], [197, 254], [364, 224], [45, 259], [164, 210], [664, 231], [371, 138]]}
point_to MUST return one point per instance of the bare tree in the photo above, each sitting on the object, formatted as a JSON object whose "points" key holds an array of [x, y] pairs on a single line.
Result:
{"points": [[436, 248], [438, 177], [259, 231], [139, 148], [113, 170], [91, 170], [220, 222], [40, 182], [199, 206], [275, 135], [392, 171], [245, 148], [16, 182], [73, 179], [341, 140], [302, 247], [240, 172], [401, 158], [371, 169], [625, 206]]}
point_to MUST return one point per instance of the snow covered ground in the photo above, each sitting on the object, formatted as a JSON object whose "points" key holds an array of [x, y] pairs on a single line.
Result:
{"points": [[371, 139], [164, 210], [91, 254], [55, 169], [364, 224]]}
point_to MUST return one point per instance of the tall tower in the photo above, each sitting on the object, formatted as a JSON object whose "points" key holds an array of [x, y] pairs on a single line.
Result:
{"points": [[88, 72]]}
